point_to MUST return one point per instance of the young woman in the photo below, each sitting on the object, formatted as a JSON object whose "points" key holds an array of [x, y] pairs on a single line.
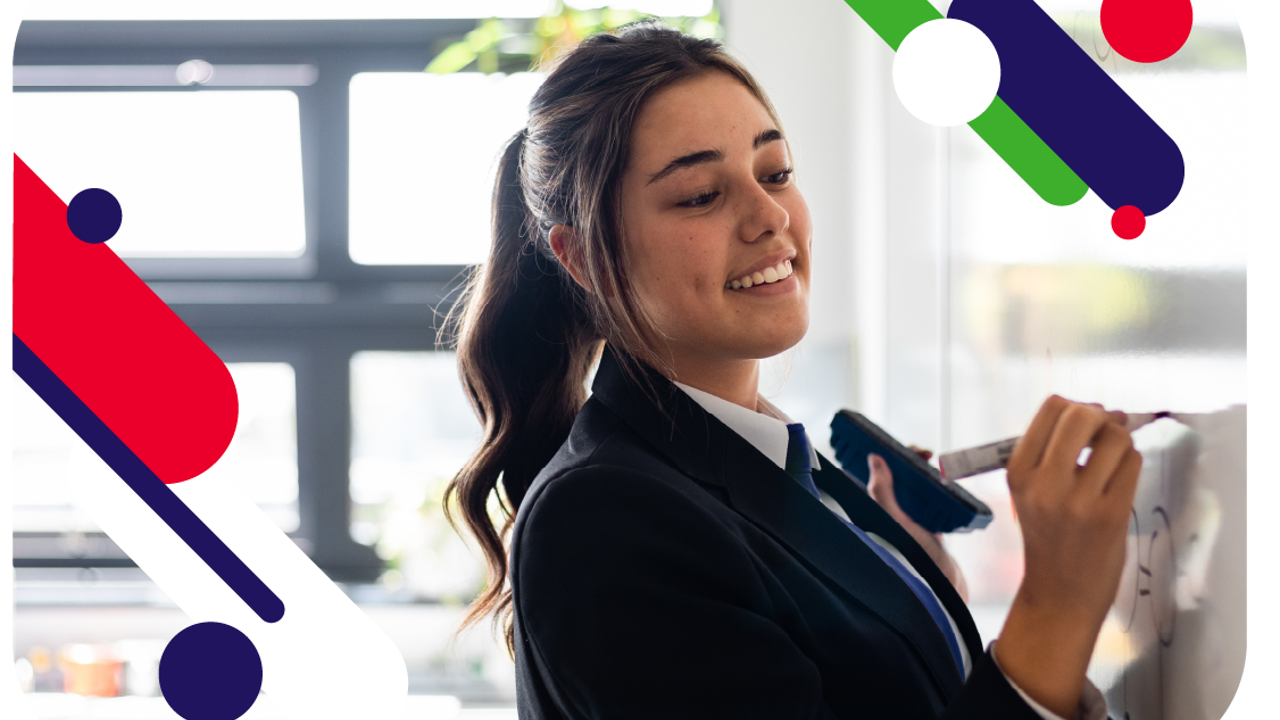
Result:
{"points": [[670, 555]]}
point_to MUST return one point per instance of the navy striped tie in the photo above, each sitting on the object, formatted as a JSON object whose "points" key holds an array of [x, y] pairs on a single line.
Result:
{"points": [[799, 468]]}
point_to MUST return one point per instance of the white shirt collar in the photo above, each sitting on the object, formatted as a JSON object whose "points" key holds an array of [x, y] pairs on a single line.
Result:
{"points": [[765, 430]]}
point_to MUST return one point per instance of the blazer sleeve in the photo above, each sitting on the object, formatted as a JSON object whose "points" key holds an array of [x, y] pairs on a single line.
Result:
{"points": [[634, 601]]}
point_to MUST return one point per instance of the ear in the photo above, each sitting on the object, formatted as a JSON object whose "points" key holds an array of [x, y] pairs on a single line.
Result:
{"points": [[564, 243]]}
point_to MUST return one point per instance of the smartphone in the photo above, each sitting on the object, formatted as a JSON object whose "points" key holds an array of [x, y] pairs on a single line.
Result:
{"points": [[938, 506]]}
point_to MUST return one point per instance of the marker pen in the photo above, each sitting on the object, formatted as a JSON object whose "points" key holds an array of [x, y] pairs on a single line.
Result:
{"points": [[993, 456]]}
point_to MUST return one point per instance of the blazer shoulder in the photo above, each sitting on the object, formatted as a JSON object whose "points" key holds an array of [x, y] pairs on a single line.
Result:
{"points": [[602, 442], [608, 482], [614, 496]]}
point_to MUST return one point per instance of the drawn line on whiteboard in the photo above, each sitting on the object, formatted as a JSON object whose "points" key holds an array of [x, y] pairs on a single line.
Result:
{"points": [[1158, 565], [1164, 613]]}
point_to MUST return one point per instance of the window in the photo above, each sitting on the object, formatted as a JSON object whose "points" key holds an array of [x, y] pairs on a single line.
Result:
{"points": [[52, 529], [412, 430], [235, 197], [174, 157], [424, 150]]}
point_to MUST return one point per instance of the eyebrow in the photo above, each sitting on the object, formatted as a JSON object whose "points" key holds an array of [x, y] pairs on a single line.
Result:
{"points": [[706, 156]]}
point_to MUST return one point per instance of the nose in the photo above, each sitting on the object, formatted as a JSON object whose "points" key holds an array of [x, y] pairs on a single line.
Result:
{"points": [[760, 215]]}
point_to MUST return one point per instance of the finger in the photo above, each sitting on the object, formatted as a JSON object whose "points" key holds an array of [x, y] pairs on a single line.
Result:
{"points": [[1117, 416], [1030, 447], [916, 448], [881, 490], [1077, 427], [1120, 417], [1110, 447], [881, 487], [1123, 483]]}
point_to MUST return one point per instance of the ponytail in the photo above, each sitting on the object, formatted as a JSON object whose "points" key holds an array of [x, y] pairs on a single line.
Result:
{"points": [[529, 334], [525, 347]]}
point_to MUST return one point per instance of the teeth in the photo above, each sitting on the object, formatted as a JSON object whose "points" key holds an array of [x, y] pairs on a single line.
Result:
{"points": [[781, 271]]}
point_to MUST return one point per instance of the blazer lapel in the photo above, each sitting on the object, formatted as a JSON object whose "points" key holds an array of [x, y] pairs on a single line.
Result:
{"points": [[707, 450], [772, 499], [868, 515]]}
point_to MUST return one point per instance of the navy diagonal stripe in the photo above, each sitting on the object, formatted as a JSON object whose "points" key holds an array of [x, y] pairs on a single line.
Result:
{"points": [[135, 473]]}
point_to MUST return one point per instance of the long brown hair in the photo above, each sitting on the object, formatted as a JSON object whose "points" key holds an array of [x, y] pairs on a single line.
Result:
{"points": [[529, 335]]}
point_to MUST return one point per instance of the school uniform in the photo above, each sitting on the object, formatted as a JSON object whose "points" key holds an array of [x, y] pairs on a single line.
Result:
{"points": [[663, 566]]}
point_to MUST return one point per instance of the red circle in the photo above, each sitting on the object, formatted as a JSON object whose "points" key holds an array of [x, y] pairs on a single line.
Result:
{"points": [[1128, 222], [1146, 30]]}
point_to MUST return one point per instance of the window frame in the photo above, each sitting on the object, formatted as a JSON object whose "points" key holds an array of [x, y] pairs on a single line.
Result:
{"points": [[316, 311]]}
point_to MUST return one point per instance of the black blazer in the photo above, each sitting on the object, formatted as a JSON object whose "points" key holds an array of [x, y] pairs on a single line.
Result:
{"points": [[666, 570]]}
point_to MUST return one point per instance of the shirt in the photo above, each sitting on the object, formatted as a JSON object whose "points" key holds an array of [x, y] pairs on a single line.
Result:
{"points": [[766, 430]]}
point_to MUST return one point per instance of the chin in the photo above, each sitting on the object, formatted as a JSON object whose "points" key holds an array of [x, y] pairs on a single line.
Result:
{"points": [[778, 344]]}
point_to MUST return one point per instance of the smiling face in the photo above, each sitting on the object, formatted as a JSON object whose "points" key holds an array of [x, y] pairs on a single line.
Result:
{"points": [[708, 199]]}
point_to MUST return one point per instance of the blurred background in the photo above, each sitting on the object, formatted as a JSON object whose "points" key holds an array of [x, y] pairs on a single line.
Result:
{"points": [[306, 191]]}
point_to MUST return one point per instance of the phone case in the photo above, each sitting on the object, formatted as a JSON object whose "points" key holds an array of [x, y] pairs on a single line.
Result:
{"points": [[938, 506]]}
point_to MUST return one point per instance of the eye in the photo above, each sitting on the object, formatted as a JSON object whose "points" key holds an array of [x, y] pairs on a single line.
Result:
{"points": [[699, 201], [778, 178]]}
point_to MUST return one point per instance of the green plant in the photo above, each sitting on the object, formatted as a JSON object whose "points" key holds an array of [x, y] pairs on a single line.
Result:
{"points": [[507, 45]]}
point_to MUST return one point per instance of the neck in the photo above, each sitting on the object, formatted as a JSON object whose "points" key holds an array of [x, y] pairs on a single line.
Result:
{"points": [[737, 381]]}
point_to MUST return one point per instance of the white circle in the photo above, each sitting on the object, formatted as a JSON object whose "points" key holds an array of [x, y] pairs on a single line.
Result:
{"points": [[946, 72]]}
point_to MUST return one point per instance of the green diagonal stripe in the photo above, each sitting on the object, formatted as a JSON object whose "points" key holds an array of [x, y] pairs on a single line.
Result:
{"points": [[1034, 161], [894, 19]]}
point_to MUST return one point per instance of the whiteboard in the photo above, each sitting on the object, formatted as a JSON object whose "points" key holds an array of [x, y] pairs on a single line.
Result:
{"points": [[1173, 646]]}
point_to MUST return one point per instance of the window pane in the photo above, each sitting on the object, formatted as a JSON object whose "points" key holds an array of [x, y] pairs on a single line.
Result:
{"points": [[424, 150], [262, 460], [197, 174], [412, 429]]}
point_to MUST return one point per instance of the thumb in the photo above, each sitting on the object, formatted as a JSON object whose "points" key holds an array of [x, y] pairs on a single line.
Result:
{"points": [[881, 485], [881, 490]]}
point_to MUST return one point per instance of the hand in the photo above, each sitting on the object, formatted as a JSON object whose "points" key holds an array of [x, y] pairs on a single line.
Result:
{"points": [[1074, 520], [881, 490]]}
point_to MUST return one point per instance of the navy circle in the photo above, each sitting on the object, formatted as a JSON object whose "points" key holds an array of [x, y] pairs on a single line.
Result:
{"points": [[94, 215], [210, 671]]}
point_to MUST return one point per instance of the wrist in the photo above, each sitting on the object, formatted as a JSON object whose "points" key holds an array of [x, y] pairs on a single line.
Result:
{"points": [[1045, 650]]}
